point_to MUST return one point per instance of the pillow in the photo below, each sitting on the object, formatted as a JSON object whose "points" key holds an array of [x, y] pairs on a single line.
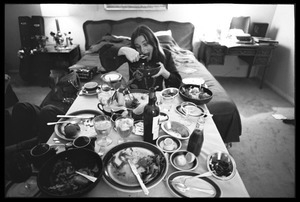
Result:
{"points": [[108, 38], [162, 33], [94, 48]]}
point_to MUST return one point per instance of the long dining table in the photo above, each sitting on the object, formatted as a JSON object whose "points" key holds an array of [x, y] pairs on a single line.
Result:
{"points": [[212, 142]]}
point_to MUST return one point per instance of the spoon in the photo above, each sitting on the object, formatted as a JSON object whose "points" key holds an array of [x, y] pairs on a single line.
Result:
{"points": [[91, 178], [184, 188], [207, 174]]}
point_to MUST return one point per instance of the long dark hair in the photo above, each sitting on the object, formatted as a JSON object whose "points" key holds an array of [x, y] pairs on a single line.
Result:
{"points": [[143, 30]]}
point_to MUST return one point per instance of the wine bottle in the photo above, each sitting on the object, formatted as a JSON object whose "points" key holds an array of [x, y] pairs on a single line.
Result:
{"points": [[151, 118], [196, 139]]}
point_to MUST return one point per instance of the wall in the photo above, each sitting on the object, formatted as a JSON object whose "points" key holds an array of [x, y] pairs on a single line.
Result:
{"points": [[280, 76], [205, 17]]}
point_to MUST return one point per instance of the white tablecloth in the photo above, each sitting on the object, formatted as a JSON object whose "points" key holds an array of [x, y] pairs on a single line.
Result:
{"points": [[212, 142]]}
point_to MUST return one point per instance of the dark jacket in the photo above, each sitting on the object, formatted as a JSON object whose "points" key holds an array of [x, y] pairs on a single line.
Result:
{"points": [[111, 61]]}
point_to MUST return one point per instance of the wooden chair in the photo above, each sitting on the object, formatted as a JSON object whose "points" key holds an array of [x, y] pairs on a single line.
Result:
{"points": [[242, 22]]}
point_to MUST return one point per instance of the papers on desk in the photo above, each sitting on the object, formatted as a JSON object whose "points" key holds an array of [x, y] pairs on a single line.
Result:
{"points": [[235, 43], [265, 41]]}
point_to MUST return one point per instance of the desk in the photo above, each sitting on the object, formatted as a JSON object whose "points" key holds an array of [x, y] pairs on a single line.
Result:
{"points": [[212, 142], [253, 54]]}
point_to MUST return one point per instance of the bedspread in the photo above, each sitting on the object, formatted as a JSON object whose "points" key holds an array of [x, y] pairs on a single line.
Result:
{"points": [[179, 41], [224, 110]]}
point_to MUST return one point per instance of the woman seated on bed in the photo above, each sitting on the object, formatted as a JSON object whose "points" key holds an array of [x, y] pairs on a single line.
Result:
{"points": [[143, 43]]}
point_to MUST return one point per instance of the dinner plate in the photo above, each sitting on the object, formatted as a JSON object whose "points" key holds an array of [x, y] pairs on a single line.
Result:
{"points": [[140, 94], [195, 110], [201, 183], [176, 129], [192, 80], [118, 174], [86, 130]]}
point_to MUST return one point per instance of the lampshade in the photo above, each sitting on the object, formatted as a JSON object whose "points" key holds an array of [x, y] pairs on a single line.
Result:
{"points": [[54, 10]]}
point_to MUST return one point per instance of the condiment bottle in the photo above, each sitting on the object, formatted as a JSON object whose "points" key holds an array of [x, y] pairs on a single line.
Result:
{"points": [[151, 118], [196, 138]]}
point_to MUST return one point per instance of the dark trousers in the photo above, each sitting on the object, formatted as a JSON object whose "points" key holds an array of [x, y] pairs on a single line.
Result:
{"points": [[29, 121], [25, 128]]}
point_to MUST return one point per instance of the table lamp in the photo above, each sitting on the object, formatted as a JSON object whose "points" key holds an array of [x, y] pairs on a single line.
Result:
{"points": [[57, 10]]}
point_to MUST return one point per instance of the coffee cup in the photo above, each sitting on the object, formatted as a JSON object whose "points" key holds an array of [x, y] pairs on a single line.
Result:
{"points": [[82, 142], [41, 153]]}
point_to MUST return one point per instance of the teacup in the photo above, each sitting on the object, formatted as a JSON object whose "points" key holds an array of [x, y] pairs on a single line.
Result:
{"points": [[82, 142], [91, 86], [41, 153]]}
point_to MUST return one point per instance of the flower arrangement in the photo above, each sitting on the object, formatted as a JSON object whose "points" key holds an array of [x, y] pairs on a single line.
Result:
{"points": [[24, 51], [38, 43], [59, 38], [41, 40]]}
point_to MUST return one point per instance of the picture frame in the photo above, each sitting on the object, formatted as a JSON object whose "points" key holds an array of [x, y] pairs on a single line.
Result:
{"points": [[135, 6]]}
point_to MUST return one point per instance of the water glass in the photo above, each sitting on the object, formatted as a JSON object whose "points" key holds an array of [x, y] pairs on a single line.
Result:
{"points": [[103, 126], [124, 125], [165, 104]]}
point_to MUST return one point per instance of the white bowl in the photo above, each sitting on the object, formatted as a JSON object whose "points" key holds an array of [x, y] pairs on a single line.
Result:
{"points": [[187, 166], [222, 158], [169, 93], [175, 146], [176, 129]]}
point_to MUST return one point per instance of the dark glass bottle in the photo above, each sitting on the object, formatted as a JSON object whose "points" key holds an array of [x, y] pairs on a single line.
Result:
{"points": [[197, 138], [151, 118]]}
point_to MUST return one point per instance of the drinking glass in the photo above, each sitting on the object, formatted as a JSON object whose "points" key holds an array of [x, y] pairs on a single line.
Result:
{"points": [[103, 126], [124, 125], [165, 104]]}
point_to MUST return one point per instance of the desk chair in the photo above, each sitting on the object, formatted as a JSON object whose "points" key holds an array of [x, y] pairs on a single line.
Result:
{"points": [[241, 22]]}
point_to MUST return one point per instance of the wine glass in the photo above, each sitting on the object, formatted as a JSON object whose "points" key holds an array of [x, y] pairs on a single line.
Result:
{"points": [[103, 126], [124, 125]]}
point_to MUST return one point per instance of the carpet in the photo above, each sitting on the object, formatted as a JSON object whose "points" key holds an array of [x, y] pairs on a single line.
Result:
{"points": [[265, 155]]}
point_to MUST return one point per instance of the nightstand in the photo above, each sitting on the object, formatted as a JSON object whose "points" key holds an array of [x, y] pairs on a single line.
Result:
{"points": [[43, 62]]}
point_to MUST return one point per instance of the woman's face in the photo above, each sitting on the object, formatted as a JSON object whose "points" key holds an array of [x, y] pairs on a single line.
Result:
{"points": [[143, 47]]}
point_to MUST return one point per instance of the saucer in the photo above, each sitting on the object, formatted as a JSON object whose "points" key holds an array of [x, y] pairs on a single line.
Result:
{"points": [[90, 92]]}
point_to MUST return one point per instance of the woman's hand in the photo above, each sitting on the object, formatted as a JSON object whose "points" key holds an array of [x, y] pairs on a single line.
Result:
{"points": [[131, 54], [163, 72]]}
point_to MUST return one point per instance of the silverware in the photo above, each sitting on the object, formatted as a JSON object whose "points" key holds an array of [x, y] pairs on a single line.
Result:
{"points": [[56, 144], [207, 174], [184, 188], [73, 116], [53, 123], [138, 177], [91, 178]]}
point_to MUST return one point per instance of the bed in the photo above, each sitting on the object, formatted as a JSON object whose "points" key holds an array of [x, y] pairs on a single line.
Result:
{"points": [[177, 37]]}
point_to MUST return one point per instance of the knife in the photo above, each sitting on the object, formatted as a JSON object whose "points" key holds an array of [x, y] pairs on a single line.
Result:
{"points": [[138, 177]]}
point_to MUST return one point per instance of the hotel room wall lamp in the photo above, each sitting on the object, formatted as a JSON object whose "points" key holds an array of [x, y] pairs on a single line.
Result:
{"points": [[57, 10]]}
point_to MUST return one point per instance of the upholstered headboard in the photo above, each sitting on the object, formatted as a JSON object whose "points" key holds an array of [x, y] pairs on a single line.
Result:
{"points": [[182, 32]]}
